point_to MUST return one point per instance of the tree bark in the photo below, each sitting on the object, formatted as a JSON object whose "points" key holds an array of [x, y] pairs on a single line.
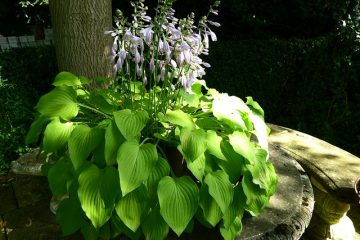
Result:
{"points": [[81, 45]]}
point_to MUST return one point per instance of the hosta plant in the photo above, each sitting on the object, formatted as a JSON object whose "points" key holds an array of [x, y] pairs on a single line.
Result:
{"points": [[154, 150]]}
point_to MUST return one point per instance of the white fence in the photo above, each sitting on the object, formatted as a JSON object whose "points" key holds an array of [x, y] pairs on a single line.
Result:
{"points": [[25, 41]]}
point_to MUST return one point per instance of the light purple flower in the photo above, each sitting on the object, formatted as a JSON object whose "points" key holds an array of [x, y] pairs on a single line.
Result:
{"points": [[213, 36], [112, 33], [183, 80], [184, 53], [122, 54], [180, 59], [216, 24], [137, 56], [139, 71], [206, 41], [166, 47], [215, 12], [175, 32], [147, 34], [128, 35], [173, 63], [162, 73], [205, 64], [152, 64], [145, 18]]}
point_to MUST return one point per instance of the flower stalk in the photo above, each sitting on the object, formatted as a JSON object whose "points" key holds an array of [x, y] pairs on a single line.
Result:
{"points": [[163, 52]]}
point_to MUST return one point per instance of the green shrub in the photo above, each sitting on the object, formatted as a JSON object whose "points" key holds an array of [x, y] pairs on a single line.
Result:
{"points": [[25, 75], [309, 85]]}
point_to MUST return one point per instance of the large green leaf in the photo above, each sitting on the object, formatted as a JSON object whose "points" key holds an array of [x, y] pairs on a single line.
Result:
{"points": [[256, 198], [243, 146], [213, 144], [121, 228], [131, 123], [95, 196], [179, 118], [154, 226], [66, 79], [191, 100], [179, 200], [236, 208], [220, 188], [113, 140], [229, 110], [233, 165], [60, 102], [132, 208], [56, 135], [211, 210], [83, 140], [192, 143], [97, 99], [207, 123], [197, 167], [263, 172], [233, 231], [160, 170], [70, 216], [60, 175], [135, 164], [98, 155], [261, 130], [255, 107], [197, 86], [35, 129], [89, 232], [109, 186]]}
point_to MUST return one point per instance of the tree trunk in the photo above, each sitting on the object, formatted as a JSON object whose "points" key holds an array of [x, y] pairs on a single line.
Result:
{"points": [[81, 45]]}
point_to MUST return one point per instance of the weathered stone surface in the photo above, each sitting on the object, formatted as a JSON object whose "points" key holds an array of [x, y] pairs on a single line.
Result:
{"points": [[30, 189], [29, 163], [318, 229], [328, 208], [334, 168]]}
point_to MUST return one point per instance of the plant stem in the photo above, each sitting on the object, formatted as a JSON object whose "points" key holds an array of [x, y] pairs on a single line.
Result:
{"points": [[94, 110]]}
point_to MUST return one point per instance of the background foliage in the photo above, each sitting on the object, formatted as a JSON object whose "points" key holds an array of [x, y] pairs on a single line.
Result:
{"points": [[25, 75]]}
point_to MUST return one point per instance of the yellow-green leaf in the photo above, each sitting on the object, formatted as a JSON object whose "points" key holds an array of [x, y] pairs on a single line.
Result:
{"points": [[135, 163], [130, 123], [192, 143], [83, 140], [56, 135], [179, 200], [154, 226], [220, 188], [60, 102], [113, 140], [132, 208], [66, 79], [96, 188]]}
